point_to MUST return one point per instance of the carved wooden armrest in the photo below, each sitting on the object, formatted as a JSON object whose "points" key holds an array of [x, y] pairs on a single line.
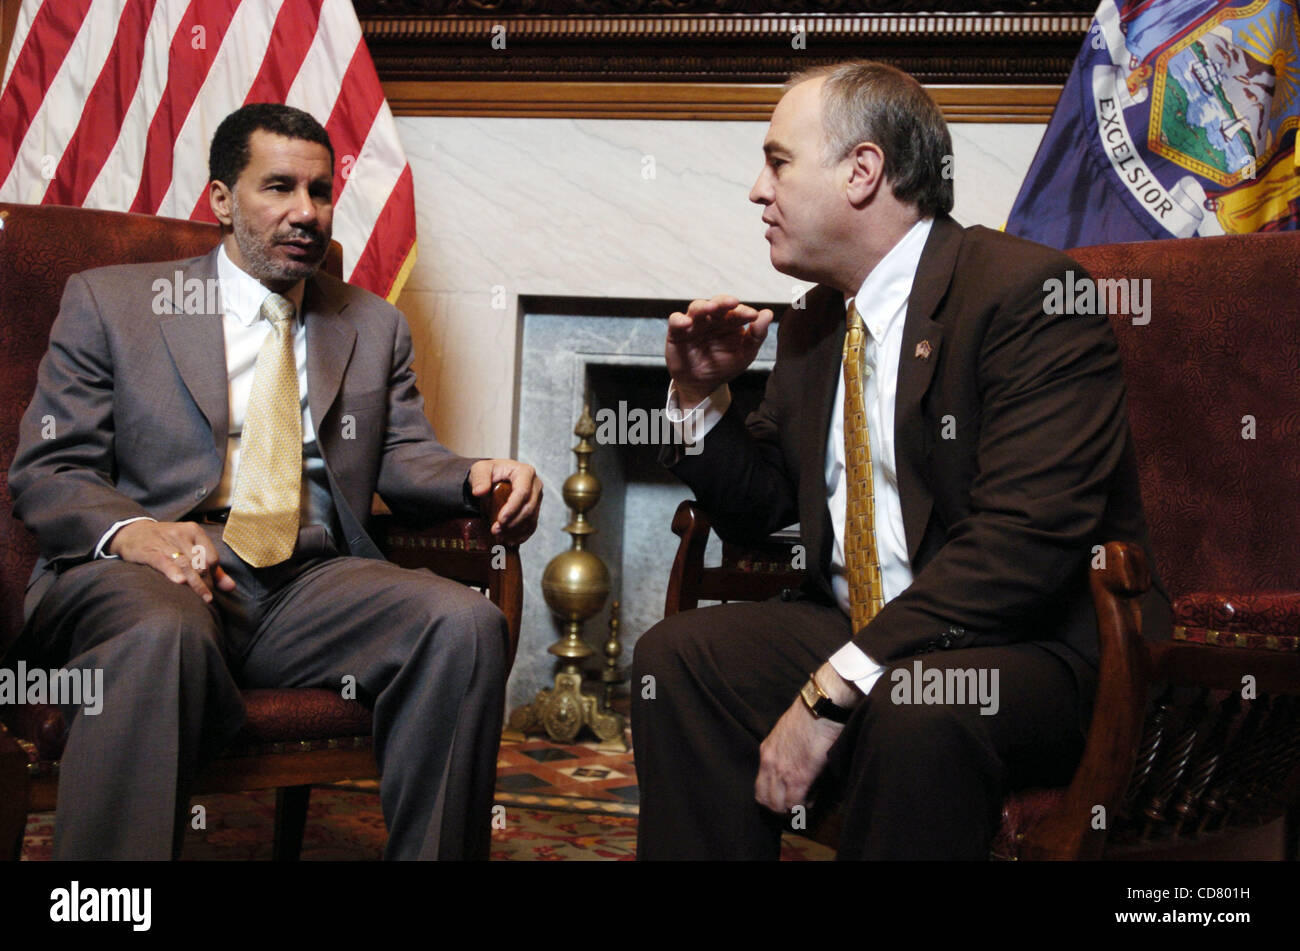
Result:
{"points": [[1109, 752], [690, 524], [747, 573]]}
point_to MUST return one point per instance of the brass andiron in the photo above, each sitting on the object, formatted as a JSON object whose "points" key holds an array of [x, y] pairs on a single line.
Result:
{"points": [[575, 585], [611, 675]]}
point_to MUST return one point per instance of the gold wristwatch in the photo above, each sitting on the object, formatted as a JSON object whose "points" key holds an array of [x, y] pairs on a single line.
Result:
{"points": [[820, 705]]}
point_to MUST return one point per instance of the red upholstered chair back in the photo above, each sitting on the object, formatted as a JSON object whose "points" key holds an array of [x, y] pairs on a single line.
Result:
{"points": [[1223, 343], [41, 246]]}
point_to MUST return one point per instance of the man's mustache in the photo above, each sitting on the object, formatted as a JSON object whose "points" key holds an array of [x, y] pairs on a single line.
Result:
{"points": [[313, 239]]}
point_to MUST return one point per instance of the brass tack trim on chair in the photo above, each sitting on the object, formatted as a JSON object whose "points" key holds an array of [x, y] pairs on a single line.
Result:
{"points": [[1241, 639], [420, 541]]}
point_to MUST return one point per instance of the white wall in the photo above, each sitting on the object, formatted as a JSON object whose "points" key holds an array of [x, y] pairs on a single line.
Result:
{"points": [[566, 207]]}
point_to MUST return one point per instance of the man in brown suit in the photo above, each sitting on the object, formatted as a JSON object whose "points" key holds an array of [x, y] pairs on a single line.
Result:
{"points": [[133, 502], [1001, 456]]}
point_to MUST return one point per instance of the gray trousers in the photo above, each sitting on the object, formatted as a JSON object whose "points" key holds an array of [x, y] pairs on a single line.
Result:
{"points": [[427, 654]]}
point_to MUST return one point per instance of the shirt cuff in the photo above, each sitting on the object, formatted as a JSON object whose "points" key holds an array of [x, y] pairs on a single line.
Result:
{"points": [[108, 535], [856, 667], [691, 427]]}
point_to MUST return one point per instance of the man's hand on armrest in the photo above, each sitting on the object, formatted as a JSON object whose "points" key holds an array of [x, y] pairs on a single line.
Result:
{"points": [[181, 551], [517, 519]]}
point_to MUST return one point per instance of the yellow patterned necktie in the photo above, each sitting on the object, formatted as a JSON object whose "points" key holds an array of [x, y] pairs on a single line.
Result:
{"points": [[264, 508], [862, 563]]}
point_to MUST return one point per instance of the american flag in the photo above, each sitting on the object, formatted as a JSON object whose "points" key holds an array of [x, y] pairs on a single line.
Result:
{"points": [[112, 103]]}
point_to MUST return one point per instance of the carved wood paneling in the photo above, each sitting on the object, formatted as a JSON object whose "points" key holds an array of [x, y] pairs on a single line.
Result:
{"points": [[721, 60], [496, 8]]}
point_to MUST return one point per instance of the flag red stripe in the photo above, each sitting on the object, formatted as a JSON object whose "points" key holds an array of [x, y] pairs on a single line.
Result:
{"points": [[187, 68], [104, 102], [359, 100], [390, 241], [52, 32], [291, 39], [101, 117]]}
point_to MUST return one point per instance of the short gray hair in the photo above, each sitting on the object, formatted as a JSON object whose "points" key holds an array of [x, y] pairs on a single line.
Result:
{"points": [[866, 101]]}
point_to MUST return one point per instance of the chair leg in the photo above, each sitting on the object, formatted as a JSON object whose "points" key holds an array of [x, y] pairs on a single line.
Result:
{"points": [[13, 796], [290, 821]]}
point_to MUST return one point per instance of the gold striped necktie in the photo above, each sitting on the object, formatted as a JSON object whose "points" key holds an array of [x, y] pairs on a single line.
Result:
{"points": [[862, 563], [264, 508]]}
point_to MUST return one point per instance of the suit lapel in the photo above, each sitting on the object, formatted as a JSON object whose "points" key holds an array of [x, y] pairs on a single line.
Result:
{"points": [[824, 366], [330, 339], [922, 343], [192, 339]]}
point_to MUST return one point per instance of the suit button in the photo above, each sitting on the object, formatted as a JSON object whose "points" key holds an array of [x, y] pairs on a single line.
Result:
{"points": [[200, 493], [787, 594]]}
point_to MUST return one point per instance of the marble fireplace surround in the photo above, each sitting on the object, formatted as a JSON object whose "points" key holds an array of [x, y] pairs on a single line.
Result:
{"points": [[524, 220], [600, 353]]}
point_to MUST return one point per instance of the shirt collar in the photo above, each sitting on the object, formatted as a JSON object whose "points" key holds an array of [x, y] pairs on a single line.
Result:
{"points": [[242, 295], [888, 286]]}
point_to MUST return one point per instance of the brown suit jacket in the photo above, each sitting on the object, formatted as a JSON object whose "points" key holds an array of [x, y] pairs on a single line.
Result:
{"points": [[1002, 518], [134, 405]]}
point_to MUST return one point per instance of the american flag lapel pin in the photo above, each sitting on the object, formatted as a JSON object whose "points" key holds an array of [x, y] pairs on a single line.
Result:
{"points": [[923, 350]]}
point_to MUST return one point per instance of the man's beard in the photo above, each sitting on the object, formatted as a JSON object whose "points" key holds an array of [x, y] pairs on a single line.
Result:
{"points": [[259, 260]]}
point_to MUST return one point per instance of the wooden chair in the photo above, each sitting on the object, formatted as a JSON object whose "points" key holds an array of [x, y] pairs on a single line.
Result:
{"points": [[292, 738], [1195, 743]]}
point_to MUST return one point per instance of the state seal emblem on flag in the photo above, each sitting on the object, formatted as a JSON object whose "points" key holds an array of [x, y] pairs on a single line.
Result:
{"points": [[1214, 84], [1223, 101], [1178, 119]]}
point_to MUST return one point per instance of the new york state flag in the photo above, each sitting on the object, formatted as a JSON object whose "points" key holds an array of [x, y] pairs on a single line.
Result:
{"points": [[1179, 119]]}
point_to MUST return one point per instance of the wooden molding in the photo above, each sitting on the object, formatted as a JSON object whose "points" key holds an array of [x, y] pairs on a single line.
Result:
{"points": [[495, 10], [713, 101], [1029, 48], [999, 61]]}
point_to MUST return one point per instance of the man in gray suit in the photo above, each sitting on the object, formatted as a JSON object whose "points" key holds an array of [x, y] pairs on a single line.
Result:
{"points": [[184, 582]]}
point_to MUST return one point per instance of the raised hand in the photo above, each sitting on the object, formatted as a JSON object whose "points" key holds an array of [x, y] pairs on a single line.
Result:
{"points": [[711, 344]]}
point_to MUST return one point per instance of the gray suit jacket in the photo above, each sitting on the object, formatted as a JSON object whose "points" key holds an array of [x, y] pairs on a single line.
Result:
{"points": [[130, 414]]}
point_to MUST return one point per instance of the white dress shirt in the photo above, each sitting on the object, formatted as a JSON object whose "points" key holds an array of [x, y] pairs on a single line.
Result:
{"points": [[245, 329], [882, 304]]}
